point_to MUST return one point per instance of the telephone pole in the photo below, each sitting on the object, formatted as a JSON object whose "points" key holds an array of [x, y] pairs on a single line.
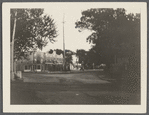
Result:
{"points": [[64, 60]]}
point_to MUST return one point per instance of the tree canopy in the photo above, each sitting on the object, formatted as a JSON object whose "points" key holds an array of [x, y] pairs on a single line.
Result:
{"points": [[59, 51], [50, 51], [68, 54], [33, 30], [88, 57], [81, 54], [113, 32]]}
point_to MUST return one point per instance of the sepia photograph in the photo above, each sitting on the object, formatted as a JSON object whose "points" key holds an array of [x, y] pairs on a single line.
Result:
{"points": [[67, 55]]}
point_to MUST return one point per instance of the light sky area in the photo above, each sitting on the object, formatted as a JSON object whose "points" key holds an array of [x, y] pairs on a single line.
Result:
{"points": [[72, 12]]}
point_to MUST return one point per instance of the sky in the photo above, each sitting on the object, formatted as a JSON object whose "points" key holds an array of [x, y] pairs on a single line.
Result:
{"points": [[71, 13]]}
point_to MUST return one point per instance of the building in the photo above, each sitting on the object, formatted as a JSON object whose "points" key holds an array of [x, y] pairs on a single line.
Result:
{"points": [[40, 62], [75, 65]]}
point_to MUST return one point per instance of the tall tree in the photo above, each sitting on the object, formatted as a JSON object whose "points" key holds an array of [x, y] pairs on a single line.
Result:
{"points": [[33, 30], [29, 29], [113, 32]]}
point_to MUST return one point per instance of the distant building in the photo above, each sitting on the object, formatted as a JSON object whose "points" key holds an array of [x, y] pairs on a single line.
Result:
{"points": [[75, 63], [41, 61]]}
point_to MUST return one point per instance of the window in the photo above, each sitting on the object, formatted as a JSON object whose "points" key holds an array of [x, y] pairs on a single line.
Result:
{"points": [[38, 67], [27, 67]]}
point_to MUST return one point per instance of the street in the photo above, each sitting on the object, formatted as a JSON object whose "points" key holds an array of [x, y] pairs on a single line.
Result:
{"points": [[70, 88]]}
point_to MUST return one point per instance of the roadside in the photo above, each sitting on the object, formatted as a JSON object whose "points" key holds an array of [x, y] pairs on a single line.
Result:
{"points": [[85, 77], [65, 72]]}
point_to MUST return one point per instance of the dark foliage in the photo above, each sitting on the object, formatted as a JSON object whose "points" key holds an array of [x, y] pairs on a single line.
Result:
{"points": [[51, 51], [59, 51], [113, 33]]}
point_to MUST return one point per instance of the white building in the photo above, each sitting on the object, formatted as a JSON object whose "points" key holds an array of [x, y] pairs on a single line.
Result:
{"points": [[75, 65]]}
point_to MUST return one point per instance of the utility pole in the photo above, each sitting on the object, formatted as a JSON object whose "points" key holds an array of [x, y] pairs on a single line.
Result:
{"points": [[64, 60]]}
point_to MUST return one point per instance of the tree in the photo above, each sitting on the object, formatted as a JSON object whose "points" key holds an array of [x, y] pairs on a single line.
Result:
{"points": [[29, 29], [33, 30], [59, 51], [68, 56], [113, 32], [51, 51], [81, 55], [88, 57]]}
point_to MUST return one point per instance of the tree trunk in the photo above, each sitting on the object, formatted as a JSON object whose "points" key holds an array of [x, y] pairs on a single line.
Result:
{"points": [[12, 48]]}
